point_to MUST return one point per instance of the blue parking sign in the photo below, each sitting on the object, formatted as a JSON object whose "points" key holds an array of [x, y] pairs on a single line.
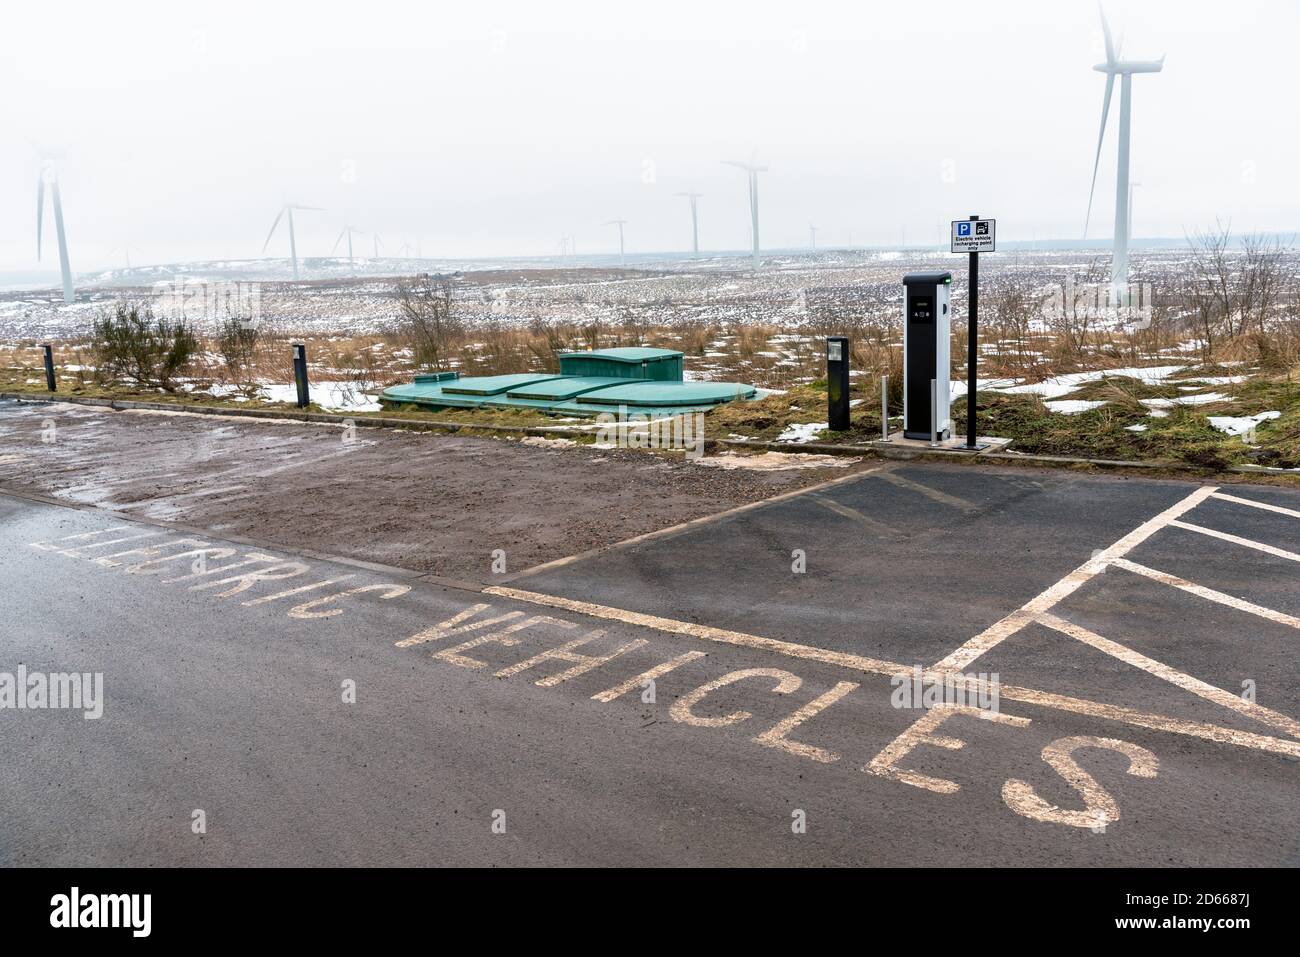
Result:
{"points": [[963, 229]]}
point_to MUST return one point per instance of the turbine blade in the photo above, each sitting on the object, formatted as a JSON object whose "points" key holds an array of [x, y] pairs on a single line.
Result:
{"points": [[337, 241], [1105, 29], [1101, 136], [272, 232], [40, 212]]}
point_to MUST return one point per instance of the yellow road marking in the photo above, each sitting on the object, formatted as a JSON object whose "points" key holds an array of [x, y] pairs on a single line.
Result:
{"points": [[1045, 699], [1000, 631], [786, 683], [933, 494], [675, 530], [637, 681], [854, 514], [1101, 808], [1208, 593], [778, 736], [922, 731]]}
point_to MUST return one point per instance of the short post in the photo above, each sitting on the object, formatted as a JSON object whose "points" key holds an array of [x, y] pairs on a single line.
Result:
{"points": [[934, 413], [837, 383], [300, 374], [884, 408], [49, 368]]}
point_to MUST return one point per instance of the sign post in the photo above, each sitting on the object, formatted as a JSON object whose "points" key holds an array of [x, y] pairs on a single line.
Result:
{"points": [[973, 236]]}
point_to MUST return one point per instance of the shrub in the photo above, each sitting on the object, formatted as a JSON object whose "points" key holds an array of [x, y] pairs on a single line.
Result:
{"points": [[131, 343], [237, 343]]}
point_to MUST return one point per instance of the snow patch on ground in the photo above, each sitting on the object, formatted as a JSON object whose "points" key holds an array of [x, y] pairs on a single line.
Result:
{"points": [[774, 461], [1242, 425], [1204, 398], [801, 432], [332, 396], [1072, 406]]}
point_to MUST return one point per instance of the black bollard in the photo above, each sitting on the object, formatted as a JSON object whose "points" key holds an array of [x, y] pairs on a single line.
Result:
{"points": [[837, 383], [50, 383], [300, 374]]}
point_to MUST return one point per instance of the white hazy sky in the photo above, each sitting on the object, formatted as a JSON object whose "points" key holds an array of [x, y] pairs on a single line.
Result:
{"points": [[483, 129]]}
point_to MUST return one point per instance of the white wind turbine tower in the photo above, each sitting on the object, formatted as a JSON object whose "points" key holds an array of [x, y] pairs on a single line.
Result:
{"points": [[753, 170], [695, 222], [812, 236], [50, 174], [347, 231], [620, 223], [1124, 69], [378, 242], [293, 242]]}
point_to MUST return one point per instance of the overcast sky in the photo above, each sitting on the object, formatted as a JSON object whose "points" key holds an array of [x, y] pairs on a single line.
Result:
{"points": [[485, 129]]}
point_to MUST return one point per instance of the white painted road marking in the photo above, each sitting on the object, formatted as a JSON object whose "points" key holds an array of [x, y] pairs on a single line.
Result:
{"points": [[1000, 631], [1238, 540], [1253, 504], [1208, 593]]}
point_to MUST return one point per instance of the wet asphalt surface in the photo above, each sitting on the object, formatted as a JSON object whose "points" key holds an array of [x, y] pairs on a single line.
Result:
{"points": [[229, 694]]}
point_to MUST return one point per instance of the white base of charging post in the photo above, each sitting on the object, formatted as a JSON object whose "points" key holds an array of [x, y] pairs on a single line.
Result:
{"points": [[957, 443]]}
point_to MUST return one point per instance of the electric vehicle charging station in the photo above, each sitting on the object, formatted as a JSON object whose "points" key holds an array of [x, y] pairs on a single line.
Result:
{"points": [[926, 356]]}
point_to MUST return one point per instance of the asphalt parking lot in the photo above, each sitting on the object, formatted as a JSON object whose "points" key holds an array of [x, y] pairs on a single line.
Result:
{"points": [[724, 692]]}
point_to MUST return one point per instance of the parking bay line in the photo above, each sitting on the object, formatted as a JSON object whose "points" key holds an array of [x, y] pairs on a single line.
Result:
{"points": [[1238, 540], [1282, 618], [933, 494], [674, 530], [1177, 678], [1045, 601], [1081, 706], [1253, 504]]}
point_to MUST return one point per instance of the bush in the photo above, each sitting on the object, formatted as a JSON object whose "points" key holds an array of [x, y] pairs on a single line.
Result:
{"points": [[429, 321], [237, 343], [131, 344]]}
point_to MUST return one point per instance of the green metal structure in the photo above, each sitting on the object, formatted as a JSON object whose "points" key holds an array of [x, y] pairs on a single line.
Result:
{"points": [[646, 382]]}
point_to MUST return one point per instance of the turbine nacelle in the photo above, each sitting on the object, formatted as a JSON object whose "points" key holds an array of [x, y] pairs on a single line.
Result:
{"points": [[1119, 67]]}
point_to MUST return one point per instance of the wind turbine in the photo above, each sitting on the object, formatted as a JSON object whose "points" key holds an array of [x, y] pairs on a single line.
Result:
{"points": [[378, 242], [620, 223], [695, 222], [1130, 209], [812, 236], [50, 174], [293, 243], [753, 171], [347, 231], [126, 252], [1124, 69]]}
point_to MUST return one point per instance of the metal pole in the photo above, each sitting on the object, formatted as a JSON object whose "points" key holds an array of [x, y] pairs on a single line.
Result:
{"points": [[884, 408], [49, 368], [972, 347], [934, 413], [300, 374]]}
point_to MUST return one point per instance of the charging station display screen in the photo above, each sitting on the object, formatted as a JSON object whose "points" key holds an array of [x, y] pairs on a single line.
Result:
{"points": [[922, 309]]}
